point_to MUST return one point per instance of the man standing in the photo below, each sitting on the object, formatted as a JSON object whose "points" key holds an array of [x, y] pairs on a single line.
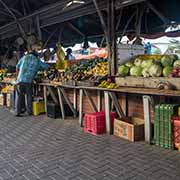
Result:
{"points": [[27, 68]]}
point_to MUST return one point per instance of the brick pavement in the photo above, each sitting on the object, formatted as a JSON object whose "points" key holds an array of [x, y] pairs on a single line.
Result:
{"points": [[33, 148]]}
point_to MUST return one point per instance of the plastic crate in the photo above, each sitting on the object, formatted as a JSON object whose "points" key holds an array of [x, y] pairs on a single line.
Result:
{"points": [[176, 132], [95, 123], [38, 108], [163, 135]]}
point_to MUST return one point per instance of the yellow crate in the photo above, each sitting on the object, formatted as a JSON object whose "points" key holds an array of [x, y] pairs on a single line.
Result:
{"points": [[38, 108], [179, 111]]}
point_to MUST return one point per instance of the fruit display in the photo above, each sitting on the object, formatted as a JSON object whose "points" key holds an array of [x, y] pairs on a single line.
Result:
{"points": [[7, 89], [94, 70], [101, 69], [175, 73], [2, 73], [9, 77], [161, 67], [108, 85]]}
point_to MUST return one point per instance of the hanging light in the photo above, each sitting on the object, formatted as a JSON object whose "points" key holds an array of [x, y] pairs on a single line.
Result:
{"points": [[73, 2]]}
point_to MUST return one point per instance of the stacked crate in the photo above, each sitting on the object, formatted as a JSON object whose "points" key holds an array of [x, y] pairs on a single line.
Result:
{"points": [[163, 133]]}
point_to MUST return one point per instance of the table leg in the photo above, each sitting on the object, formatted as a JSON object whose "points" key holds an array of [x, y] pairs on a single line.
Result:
{"points": [[147, 120], [75, 99], [45, 97], [68, 101], [81, 107], [61, 103], [99, 106], [107, 112]]}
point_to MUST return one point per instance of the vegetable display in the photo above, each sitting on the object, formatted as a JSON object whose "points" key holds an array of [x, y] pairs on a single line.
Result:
{"points": [[160, 67]]}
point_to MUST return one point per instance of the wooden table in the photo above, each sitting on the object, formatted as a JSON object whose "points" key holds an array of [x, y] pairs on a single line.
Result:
{"points": [[110, 95], [48, 87]]}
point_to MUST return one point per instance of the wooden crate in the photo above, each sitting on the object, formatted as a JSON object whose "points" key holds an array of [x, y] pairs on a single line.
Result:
{"points": [[129, 128], [87, 83], [150, 82]]}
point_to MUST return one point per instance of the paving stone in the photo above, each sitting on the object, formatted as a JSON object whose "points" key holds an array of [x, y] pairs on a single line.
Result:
{"points": [[33, 148]]}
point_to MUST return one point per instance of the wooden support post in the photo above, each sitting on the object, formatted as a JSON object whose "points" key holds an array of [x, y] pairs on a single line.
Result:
{"points": [[68, 101], [75, 99], [113, 39], [116, 104], [61, 103], [38, 27], [45, 97], [147, 120], [99, 96], [107, 112], [91, 102], [81, 107], [52, 94]]}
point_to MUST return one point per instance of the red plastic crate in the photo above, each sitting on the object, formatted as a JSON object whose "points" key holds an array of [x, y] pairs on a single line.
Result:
{"points": [[176, 132], [95, 123]]}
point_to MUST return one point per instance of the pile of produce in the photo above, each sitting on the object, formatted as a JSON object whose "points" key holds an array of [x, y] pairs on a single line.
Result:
{"points": [[150, 68], [94, 70], [6, 89], [2, 73], [108, 85]]}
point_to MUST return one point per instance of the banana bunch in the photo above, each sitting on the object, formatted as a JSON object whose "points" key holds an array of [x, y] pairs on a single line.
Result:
{"points": [[6, 89], [61, 62], [3, 71], [101, 69], [105, 84]]}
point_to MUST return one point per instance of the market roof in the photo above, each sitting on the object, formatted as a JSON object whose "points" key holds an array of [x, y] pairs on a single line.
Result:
{"points": [[78, 21]]}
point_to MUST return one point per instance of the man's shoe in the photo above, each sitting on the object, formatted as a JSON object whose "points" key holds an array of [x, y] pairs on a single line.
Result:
{"points": [[29, 114]]}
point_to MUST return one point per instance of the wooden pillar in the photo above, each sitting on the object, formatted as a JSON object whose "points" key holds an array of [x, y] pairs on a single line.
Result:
{"points": [[38, 27], [112, 37]]}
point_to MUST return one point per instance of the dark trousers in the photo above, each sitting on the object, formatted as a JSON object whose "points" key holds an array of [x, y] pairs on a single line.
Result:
{"points": [[23, 90]]}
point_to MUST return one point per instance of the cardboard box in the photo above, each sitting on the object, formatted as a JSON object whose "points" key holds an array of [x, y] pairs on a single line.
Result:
{"points": [[2, 99], [130, 128], [8, 100]]}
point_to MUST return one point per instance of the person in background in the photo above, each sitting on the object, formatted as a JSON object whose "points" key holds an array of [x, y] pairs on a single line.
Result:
{"points": [[69, 55], [148, 48], [27, 68]]}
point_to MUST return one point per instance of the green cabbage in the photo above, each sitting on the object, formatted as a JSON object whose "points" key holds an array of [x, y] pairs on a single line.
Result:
{"points": [[137, 62], [166, 61], [136, 71], [155, 70], [176, 63], [174, 57], [129, 64], [145, 72], [123, 70], [167, 71], [146, 63]]}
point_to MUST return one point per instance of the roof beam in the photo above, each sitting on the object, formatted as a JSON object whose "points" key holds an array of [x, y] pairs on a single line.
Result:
{"points": [[159, 14], [16, 20], [75, 29], [62, 16]]}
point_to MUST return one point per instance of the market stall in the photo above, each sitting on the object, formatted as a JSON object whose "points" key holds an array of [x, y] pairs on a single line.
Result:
{"points": [[118, 78]]}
